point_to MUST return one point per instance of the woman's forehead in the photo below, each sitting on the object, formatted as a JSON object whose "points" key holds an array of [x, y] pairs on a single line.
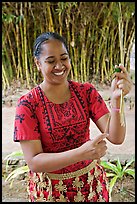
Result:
{"points": [[52, 46], [52, 42]]}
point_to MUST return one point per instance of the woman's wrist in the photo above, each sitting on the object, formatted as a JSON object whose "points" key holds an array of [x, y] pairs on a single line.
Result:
{"points": [[115, 102], [114, 108], [115, 105]]}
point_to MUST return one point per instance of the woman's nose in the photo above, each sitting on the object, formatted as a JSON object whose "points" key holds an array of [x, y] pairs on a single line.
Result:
{"points": [[59, 65]]}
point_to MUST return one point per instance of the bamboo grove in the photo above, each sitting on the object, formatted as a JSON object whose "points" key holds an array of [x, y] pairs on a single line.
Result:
{"points": [[96, 33]]}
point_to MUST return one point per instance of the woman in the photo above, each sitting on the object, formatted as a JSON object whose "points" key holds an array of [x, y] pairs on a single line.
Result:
{"points": [[52, 125]]}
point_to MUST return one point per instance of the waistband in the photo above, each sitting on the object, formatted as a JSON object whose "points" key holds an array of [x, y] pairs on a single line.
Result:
{"points": [[74, 174]]}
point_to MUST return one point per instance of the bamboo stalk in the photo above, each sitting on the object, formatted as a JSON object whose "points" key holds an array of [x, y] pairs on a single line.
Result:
{"points": [[51, 25], [4, 73], [81, 66], [84, 55], [122, 109], [3, 83], [17, 36], [12, 52], [33, 70], [130, 44], [120, 26], [75, 50], [110, 53], [21, 59], [88, 51], [67, 21], [107, 124], [8, 64], [26, 46]]}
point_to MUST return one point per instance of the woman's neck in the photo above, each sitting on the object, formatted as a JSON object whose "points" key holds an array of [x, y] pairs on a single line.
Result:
{"points": [[58, 93]]}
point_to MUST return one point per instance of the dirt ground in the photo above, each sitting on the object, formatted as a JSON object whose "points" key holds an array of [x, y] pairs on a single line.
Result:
{"points": [[17, 193]]}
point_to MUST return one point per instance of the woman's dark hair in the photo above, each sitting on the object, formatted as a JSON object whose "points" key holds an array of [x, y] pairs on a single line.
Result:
{"points": [[44, 37]]}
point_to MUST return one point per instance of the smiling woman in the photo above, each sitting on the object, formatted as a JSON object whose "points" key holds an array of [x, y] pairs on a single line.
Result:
{"points": [[52, 125], [52, 59]]}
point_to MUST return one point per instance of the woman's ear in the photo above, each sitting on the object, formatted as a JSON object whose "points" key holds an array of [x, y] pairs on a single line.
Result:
{"points": [[37, 62]]}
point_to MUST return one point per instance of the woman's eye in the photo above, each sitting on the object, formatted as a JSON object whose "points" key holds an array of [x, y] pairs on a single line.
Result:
{"points": [[50, 62], [64, 59]]}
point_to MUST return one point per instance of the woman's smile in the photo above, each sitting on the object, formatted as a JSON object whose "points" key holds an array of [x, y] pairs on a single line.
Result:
{"points": [[59, 73]]}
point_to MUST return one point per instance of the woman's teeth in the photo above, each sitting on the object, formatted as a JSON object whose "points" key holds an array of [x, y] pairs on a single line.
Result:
{"points": [[59, 73]]}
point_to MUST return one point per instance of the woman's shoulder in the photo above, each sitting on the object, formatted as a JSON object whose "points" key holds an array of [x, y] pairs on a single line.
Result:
{"points": [[30, 96]]}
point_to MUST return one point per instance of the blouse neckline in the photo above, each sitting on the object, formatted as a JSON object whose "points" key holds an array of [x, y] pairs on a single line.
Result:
{"points": [[60, 104]]}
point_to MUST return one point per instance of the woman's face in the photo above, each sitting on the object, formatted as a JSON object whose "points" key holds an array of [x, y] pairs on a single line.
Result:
{"points": [[54, 62]]}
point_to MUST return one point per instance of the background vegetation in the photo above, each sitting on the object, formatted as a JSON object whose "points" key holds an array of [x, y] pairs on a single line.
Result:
{"points": [[99, 35]]}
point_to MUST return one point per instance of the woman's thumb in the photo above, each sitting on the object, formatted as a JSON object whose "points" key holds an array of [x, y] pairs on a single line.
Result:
{"points": [[99, 138]]}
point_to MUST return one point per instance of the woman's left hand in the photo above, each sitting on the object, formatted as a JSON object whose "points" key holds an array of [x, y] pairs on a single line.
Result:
{"points": [[122, 81]]}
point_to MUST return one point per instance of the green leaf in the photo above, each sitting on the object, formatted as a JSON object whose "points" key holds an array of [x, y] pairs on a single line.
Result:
{"points": [[110, 174], [13, 154], [119, 167], [109, 166], [128, 164], [130, 172], [112, 183], [16, 172], [117, 70]]}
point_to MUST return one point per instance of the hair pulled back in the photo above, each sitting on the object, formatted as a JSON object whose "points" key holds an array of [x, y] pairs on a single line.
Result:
{"points": [[44, 37]]}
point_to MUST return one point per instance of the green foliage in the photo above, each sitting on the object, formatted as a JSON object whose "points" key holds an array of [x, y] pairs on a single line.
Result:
{"points": [[13, 155], [18, 171], [117, 171], [8, 18], [117, 70], [15, 173]]}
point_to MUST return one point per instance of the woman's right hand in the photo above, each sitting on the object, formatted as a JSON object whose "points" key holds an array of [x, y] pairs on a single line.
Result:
{"points": [[94, 149]]}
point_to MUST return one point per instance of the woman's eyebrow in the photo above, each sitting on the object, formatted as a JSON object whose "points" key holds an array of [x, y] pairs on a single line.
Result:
{"points": [[49, 57], [64, 54], [54, 56]]}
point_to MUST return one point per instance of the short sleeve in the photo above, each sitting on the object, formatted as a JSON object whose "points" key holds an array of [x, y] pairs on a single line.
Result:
{"points": [[26, 125], [96, 104]]}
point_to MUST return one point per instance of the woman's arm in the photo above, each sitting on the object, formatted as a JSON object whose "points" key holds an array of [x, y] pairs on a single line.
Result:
{"points": [[38, 161], [112, 123]]}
